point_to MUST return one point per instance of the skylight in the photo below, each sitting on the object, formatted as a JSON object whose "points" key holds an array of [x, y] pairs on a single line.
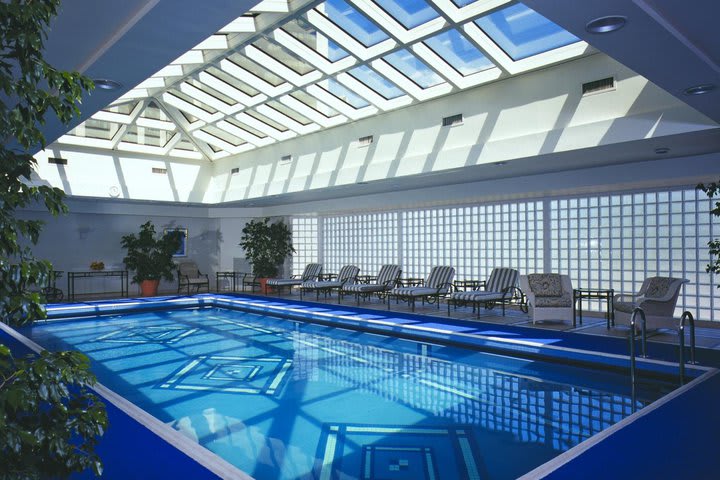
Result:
{"points": [[325, 64]]}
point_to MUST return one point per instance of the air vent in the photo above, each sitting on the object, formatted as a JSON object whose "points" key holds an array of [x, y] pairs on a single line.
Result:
{"points": [[235, 170], [365, 141], [453, 120], [286, 158], [598, 86], [57, 161], [161, 171]]}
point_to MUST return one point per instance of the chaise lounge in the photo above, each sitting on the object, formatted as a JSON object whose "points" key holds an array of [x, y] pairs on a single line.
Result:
{"points": [[312, 272], [386, 280], [438, 283], [347, 274], [500, 288]]}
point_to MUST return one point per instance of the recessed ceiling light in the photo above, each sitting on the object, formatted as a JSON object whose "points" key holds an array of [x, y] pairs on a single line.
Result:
{"points": [[662, 150], [361, 183], [607, 24], [500, 164], [107, 84], [700, 89]]}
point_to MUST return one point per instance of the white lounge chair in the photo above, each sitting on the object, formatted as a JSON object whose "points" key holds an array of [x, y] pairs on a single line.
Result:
{"points": [[657, 297], [549, 296]]}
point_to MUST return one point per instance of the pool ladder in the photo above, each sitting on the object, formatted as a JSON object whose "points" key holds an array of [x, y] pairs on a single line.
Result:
{"points": [[686, 316]]}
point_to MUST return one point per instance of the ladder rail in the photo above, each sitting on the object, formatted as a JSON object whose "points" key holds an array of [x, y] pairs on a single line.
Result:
{"points": [[633, 374], [681, 340]]}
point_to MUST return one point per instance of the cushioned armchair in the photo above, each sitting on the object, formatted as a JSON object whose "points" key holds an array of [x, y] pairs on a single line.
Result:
{"points": [[657, 297], [549, 296], [189, 276]]}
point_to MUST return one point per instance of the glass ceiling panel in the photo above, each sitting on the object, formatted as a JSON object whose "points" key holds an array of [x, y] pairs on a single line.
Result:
{"points": [[154, 112], [124, 108], [232, 81], [243, 62], [223, 135], [410, 66], [343, 93], [314, 103], [186, 144], [410, 13], [463, 3], [457, 50], [192, 101], [303, 31], [212, 92], [353, 22], [92, 128], [289, 112], [147, 136], [245, 127], [283, 55], [522, 32], [268, 121], [376, 82]]}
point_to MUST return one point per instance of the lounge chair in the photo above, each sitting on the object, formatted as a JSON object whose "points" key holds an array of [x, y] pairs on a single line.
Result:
{"points": [[386, 280], [189, 276], [312, 272], [439, 282], [500, 288], [347, 274], [549, 296], [657, 297]]}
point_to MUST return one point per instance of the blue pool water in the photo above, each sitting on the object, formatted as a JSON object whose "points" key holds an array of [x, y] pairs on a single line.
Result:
{"points": [[282, 399]]}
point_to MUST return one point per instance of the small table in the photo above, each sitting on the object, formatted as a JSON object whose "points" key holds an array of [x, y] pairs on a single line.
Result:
{"points": [[468, 285], [123, 274], [366, 278], [412, 282], [597, 294], [225, 276]]}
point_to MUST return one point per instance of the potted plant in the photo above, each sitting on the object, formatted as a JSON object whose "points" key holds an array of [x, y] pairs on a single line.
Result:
{"points": [[266, 246], [150, 257]]}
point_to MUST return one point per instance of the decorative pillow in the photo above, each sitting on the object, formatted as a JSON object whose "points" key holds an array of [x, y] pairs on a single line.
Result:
{"points": [[545, 284], [658, 287]]}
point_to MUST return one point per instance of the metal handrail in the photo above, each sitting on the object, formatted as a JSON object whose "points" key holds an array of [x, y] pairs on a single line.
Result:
{"points": [[635, 312], [681, 339]]}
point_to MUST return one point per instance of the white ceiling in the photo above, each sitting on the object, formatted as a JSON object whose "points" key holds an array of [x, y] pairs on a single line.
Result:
{"points": [[664, 40]]}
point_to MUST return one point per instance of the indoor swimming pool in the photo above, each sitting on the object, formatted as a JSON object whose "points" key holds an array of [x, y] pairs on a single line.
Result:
{"points": [[286, 399]]}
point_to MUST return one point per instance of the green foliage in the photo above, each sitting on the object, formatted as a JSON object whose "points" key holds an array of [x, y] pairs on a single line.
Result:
{"points": [[711, 190], [150, 256], [51, 422], [266, 246]]}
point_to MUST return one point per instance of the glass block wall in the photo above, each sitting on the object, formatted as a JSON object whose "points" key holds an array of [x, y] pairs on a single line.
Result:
{"points": [[305, 242], [603, 241], [368, 241]]}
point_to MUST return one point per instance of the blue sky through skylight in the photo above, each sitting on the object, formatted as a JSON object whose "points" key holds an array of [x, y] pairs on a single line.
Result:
{"points": [[353, 22], [345, 94], [377, 82], [457, 50], [410, 13], [522, 32], [410, 66]]}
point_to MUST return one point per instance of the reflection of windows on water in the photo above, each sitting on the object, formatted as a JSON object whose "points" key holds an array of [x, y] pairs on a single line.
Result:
{"points": [[531, 409]]}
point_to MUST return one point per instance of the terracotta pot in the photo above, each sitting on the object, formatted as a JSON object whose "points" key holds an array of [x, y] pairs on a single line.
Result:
{"points": [[263, 286], [149, 288]]}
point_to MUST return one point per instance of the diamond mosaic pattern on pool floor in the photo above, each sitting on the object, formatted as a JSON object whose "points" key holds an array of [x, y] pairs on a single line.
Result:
{"points": [[398, 453], [251, 375], [164, 335]]}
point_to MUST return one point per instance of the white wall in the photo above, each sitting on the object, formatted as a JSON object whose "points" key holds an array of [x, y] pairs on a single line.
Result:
{"points": [[539, 113]]}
